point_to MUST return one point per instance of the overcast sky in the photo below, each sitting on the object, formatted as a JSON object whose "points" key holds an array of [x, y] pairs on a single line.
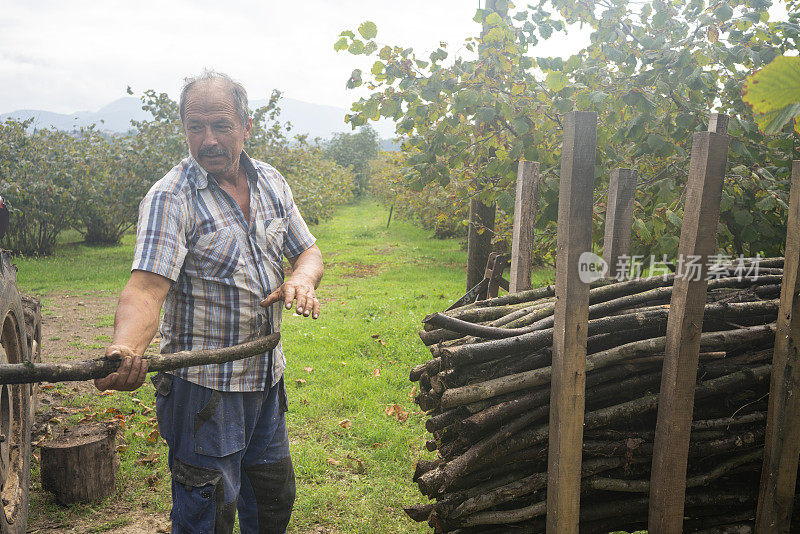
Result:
{"points": [[82, 54]]}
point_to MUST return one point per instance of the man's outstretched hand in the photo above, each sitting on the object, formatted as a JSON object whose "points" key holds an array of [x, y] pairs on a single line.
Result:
{"points": [[131, 373], [296, 288]]}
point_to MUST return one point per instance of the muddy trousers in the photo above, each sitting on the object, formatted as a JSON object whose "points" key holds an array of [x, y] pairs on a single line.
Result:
{"points": [[228, 452]]}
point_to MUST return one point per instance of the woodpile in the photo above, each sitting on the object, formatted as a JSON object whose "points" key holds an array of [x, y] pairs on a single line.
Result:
{"points": [[487, 394]]}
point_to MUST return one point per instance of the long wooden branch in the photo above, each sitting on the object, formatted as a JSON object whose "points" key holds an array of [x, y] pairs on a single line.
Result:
{"points": [[27, 372]]}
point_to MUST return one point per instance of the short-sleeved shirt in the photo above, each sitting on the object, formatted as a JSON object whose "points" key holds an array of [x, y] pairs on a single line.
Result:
{"points": [[193, 232]]}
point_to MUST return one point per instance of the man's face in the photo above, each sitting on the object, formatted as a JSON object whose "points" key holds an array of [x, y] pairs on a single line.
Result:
{"points": [[213, 129]]}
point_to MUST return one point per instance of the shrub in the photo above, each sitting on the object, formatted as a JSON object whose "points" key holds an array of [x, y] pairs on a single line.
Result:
{"points": [[38, 172]]}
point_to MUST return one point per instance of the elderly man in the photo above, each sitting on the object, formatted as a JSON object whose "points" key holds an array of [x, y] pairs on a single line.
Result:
{"points": [[211, 238]]}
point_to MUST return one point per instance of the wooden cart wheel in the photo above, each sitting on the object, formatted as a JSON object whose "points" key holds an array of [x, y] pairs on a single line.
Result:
{"points": [[15, 409]]}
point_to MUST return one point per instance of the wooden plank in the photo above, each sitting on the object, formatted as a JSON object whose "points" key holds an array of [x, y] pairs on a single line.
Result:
{"points": [[571, 315], [782, 442], [524, 220], [479, 240], [684, 325], [619, 218]]}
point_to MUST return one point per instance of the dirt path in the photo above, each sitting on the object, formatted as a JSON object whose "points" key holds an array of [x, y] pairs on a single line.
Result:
{"points": [[79, 327]]}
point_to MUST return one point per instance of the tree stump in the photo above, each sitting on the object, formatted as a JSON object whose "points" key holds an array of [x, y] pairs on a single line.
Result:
{"points": [[80, 463]]}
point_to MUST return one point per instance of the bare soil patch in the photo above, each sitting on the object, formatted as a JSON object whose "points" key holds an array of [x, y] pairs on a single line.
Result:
{"points": [[359, 270], [79, 327]]}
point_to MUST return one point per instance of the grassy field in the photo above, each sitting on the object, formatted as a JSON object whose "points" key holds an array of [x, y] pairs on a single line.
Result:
{"points": [[353, 461]]}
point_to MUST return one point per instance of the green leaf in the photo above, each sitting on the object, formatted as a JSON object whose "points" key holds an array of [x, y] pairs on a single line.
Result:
{"points": [[356, 47], [774, 93], [486, 114], [341, 44], [555, 81], [724, 12], [742, 217], [368, 30], [766, 204]]}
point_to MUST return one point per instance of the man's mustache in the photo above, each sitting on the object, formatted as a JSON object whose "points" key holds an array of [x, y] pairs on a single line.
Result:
{"points": [[211, 152]]}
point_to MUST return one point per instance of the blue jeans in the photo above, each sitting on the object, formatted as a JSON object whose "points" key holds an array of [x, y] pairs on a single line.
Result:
{"points": [[228, 452]]}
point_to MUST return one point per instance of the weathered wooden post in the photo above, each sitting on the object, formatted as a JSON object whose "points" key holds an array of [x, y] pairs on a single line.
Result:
{"points": [[782, 441], [524, 220], [479, 240], [619, 218], [684, 325], [571, 316]]}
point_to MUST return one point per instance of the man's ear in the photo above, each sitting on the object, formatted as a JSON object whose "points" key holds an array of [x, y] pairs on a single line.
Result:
{"points": [[247, 128]]}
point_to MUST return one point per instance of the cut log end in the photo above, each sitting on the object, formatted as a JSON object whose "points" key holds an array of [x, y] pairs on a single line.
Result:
{"points": [[80, 463]]}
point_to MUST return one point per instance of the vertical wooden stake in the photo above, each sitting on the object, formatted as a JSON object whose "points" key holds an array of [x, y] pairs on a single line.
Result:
{"points": [[619, 218], [684, 326], [524, 220], [479, 240], [782, 442], [568, 383]]}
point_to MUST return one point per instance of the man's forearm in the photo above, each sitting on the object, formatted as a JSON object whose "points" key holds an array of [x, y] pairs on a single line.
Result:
{"points": [[138, 311], [308, 265], [136, 321]]}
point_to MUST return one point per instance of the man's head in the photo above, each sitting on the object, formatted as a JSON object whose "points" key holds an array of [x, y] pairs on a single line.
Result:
{"points": [[216, 121]]}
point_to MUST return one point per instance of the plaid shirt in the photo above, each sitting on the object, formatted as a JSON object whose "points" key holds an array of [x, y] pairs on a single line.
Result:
{"points": [[194, 233]]}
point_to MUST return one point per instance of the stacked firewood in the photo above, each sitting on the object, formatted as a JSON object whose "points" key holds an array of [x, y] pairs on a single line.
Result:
{"points": [[487, 394]]}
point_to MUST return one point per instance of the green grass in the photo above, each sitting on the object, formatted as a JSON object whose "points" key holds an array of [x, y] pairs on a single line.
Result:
{"points": [[379, 283]]}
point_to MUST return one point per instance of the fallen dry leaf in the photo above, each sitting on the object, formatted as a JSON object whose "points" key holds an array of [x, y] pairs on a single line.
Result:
{"points": [[121, 448], [358, 461], [393, 409], [152, 437], [88, 417], [165, 530], [396, 411], [376, 372], [382, 342], [146, 410], [153, 478], [345, 423], [300, 382], [308, 370], [375, 336], [107, 393], [136, 400], [343, 363], [331, 461], [377, 445], [112, 410], [149, 459], [37, 456], [413, 393]]}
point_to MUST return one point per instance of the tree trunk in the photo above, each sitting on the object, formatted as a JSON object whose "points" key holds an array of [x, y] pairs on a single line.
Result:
{"points": [[80, 463]]}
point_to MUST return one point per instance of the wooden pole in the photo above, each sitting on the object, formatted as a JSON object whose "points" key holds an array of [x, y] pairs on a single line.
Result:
{"points": [[684, 325], [524, 220], [782, 441], [619, 218], [479, 240], [571, 316]]}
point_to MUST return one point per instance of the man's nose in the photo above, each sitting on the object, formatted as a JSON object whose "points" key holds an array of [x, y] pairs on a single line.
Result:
{"points": [[209, 138]]}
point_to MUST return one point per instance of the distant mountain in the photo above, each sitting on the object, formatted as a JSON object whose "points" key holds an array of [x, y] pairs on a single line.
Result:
{"points": [[314, 119]]}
